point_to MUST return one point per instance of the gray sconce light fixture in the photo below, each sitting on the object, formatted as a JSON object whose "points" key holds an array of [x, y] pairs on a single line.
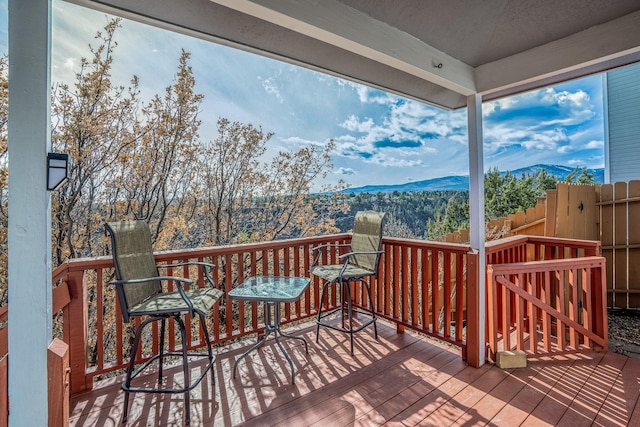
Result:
{"points": [[57, 167]]}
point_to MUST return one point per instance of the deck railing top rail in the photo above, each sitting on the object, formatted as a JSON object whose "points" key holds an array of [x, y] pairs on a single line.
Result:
{"points": [[81, 264], [508, 242]]}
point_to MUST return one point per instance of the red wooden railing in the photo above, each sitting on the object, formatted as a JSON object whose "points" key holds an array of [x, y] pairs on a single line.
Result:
{"points": [[57, 365], [538, 248], [426, 286], [545, 296], [403, 293]]}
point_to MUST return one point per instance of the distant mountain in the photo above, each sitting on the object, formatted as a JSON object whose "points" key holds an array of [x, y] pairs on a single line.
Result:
{"points": [[560, 171], [461, 182]]}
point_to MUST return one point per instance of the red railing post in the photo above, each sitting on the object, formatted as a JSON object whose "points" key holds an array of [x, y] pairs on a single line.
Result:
{"points": [[474, 348], [76, 332], [58, 371], [600, 301]]}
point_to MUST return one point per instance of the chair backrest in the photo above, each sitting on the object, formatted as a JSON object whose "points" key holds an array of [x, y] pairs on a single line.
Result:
{"points": [[367, 237], [133, 259]]}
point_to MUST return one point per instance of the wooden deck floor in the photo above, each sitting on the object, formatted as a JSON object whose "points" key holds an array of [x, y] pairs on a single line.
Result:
{"points": [[399, 380]]}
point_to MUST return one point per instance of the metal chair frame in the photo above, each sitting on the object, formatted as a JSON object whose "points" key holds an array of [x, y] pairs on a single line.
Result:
{"points": [[350, 272], [153, 316]]}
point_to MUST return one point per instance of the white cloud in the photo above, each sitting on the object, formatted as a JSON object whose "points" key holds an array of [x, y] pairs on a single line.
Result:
{"points": [[71, 64], [344, 171], [298, 141], [394, 162], [566, 149], [354, 124], [271, 88], [594, 144], [368, 95]]}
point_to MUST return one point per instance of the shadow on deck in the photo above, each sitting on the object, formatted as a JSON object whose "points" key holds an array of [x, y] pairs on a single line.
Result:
{"points": [[399, 380]]}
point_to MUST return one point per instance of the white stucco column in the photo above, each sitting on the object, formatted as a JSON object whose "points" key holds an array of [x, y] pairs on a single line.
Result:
{"points": [[476, 208], [29, 237]]}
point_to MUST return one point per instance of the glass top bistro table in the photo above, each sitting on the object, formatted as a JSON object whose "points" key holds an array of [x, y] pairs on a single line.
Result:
{"points": [[272, 291]]}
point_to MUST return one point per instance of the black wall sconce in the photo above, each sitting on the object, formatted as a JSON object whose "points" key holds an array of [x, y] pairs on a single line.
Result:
{"points": [[57, 170]]}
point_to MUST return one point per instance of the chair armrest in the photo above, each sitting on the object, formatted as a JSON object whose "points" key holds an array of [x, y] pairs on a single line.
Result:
{"points": [[207, 275], [180, 264], [349, 254], [177, 280], [326, 245]]}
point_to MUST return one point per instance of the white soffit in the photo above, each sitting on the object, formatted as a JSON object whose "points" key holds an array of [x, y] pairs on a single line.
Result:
{"points": [[353, 39], [337, 24], [600, 48]]}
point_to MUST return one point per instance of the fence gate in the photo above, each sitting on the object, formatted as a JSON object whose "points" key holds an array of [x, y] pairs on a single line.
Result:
{"points": [[576, 212], [620, 236]]}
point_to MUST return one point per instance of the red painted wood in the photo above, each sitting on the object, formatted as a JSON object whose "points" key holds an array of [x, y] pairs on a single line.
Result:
{"points": [[387, 279], [446, 286], [58, 383], [425, 287], [435, 291], [404, 283], [415, 301], [395, 292]]}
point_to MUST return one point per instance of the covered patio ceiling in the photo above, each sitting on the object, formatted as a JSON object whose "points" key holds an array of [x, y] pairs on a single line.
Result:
{"points": [[438, 52]]}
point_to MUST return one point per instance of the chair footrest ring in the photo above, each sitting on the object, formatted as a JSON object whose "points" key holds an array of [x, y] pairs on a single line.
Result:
{"points": [[193, 384], [372, 319]]}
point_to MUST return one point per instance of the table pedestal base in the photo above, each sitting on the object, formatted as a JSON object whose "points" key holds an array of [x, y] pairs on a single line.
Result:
{"points": [[272, 326]]}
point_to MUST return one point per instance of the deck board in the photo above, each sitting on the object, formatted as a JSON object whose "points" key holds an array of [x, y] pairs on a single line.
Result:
{"points": [[397, 380]]}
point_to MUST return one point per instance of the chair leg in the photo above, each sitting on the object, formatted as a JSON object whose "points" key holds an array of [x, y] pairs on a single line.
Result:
{"points": [[185, 370], [132, 363], [343, 290], [322, 295], [209, 349], [373, 315], [350, 314], [162, 354], [161, 357]]}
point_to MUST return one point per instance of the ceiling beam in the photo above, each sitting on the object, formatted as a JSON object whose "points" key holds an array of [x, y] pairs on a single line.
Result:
{"points": [[593, 50], [342, 26]]}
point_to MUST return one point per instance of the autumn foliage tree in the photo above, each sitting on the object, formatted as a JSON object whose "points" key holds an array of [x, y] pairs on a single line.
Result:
{"points": [[248, 199], [95, 123], [154, 179], [139, 159]]}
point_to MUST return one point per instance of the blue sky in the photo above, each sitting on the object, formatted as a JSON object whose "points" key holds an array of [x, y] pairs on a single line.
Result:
{"points": [[381, 138]]}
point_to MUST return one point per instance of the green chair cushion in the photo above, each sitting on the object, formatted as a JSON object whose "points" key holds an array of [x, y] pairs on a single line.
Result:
{"points": [[203, 300], [332, 272]]}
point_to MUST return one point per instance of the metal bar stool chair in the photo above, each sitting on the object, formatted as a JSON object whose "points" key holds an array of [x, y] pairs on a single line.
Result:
{"points": [[357, 265], [140, 293]]}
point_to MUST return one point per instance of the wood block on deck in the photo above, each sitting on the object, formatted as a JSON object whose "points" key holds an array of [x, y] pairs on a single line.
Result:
{"points": [[511, 359]]}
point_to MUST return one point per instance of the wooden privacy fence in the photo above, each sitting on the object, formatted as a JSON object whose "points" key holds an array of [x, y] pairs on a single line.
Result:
{"points": [[545, 296], [609, 213], [531, 222], [619, 219]]}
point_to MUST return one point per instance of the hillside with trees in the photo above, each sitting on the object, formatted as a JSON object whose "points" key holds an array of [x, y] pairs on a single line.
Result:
{"points": [[431, 214]]}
